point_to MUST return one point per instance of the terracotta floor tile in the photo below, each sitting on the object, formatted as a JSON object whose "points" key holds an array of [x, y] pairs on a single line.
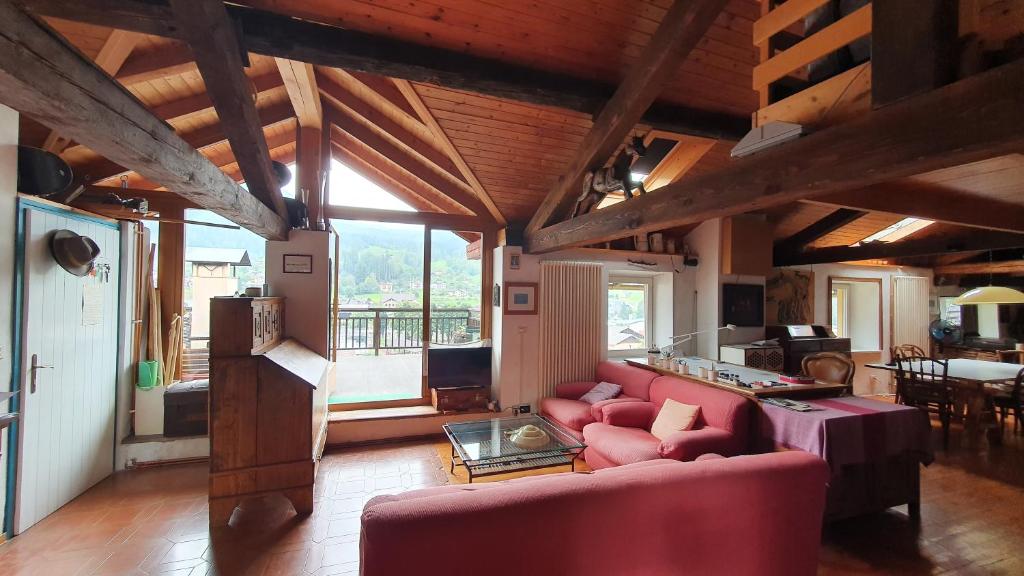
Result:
{"points": [[154, 521]]}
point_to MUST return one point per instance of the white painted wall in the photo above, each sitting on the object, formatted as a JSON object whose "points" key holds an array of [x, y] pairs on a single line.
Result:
{"points": [[8, 199], [705, 242], [988, 320], [307, 296], [866, 380], [864, 317], [516, 337]]}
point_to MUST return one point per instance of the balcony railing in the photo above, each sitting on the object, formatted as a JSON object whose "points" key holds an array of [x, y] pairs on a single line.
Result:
{"points": [[402, 328]]}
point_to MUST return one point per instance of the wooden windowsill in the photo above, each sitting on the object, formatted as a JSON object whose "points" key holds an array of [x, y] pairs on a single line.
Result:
{"points": [[395, 414], [159, 438]]}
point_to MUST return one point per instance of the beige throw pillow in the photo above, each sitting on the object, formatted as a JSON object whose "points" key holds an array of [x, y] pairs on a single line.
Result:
{"points": [[674, 417]]}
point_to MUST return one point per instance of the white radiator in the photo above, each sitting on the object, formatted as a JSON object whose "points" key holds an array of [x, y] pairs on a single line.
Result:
{"points": [[910, 311], [572, 301]]}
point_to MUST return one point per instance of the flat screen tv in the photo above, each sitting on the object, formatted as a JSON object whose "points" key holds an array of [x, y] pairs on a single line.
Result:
{"points": [[459, 366], [743, 304]]}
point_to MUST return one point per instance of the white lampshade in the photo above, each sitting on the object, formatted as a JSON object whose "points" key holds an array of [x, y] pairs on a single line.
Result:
{"points": [[990, 295]]}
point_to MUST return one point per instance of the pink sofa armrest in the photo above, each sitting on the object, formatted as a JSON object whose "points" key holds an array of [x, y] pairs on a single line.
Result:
{"points": [[630, 414], [573, 390], [689, 444], [597, 408]]}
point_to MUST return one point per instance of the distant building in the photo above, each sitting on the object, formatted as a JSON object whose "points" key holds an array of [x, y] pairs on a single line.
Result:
{"points": [[387, 287], [399, 300], [214, 273]]}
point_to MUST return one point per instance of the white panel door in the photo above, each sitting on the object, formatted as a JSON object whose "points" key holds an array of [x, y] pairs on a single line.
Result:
{"points": [[69, 328]]}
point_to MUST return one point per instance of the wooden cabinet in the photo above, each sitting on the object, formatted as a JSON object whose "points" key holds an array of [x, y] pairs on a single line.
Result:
{"points": [[243, 326], [268, 407]]}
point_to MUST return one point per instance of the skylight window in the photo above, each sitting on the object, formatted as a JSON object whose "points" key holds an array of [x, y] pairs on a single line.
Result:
{"points": [[897, 231]]}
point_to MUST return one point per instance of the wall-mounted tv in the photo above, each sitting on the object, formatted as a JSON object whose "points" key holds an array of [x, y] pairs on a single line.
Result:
{"points": [[743, 304]]}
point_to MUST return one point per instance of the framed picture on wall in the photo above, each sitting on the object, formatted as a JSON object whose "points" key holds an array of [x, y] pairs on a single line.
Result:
{"points": [[520, 297], [298, 264]]}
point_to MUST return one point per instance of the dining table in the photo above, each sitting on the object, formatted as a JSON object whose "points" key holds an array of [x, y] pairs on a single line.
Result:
{"points": [[977, 379]]}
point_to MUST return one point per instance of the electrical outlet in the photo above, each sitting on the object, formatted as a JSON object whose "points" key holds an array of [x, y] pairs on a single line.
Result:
{"points": [[524, 409]]}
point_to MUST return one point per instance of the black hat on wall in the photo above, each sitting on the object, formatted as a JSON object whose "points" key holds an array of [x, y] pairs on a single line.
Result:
{"points": [[75, 253]]}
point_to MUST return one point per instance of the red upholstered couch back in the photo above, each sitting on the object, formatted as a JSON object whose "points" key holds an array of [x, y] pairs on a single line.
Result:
{"points": [[635, 382], [745, 515], [718, 408]]}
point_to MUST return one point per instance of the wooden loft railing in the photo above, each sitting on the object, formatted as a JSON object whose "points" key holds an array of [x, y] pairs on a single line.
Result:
{"points": [[785, 54]]}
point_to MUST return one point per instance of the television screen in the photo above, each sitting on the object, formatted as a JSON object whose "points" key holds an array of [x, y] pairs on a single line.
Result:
{"points": [[743, 304], [458, 367]]}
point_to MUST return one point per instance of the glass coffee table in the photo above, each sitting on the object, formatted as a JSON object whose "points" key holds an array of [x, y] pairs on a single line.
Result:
{"points": [[486, 447]]}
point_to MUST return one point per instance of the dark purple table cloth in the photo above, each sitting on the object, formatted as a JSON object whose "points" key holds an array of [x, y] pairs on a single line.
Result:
{"points": [[849, 430]]}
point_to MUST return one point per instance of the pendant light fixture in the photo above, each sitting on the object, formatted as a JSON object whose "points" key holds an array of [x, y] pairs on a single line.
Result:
{"points": [[990, 294]]}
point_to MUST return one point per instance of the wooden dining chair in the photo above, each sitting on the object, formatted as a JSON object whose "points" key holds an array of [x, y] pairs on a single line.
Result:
{"points": [[1011, 402], [906, 350], [924, 384], [1011, 356], [831, 367], [903, 350]]}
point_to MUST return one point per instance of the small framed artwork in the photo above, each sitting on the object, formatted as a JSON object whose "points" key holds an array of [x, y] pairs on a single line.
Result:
{"points": [[298, 264], [520, 298], [513, 261], [496, 296]]}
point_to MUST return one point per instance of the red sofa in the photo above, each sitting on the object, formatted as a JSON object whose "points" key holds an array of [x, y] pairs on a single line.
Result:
{"points": [[747, 515], [624, 434], [566, 408]]}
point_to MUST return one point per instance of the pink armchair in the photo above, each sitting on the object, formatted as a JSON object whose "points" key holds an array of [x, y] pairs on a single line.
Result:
{"points": [[567, 409], [624, 434]]}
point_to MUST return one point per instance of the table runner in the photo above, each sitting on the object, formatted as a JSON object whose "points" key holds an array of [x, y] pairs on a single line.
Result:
{"points": [[850, 430]]}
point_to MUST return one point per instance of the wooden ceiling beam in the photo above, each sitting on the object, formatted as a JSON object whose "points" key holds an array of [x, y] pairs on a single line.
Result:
{"points": [[1005, 267], [281, 36], [221, 159], [300, 81], [398, 134], [907, 247], [449, 221], [678, 33], [115, 50], [157, 198], [199, 103], [458, 193], [221, 60], [931, 202], [155, 64], [282, 150], [46, 79], [799, 241], [943, 128], [408, 91], [104, 169]]}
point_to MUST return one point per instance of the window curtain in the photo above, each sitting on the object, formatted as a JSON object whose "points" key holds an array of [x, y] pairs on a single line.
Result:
{"points": [[572, 300]]}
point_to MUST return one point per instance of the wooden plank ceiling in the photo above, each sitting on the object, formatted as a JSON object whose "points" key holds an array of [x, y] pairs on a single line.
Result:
{"points": [[514, 151], [450, 150]]}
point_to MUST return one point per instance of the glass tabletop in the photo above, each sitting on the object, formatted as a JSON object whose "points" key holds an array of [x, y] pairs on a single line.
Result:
{"points": [[491, 439]]}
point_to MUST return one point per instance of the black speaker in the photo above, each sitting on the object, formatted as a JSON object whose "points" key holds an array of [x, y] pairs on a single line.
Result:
{"points": [[42, 173], [514, 234]]}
